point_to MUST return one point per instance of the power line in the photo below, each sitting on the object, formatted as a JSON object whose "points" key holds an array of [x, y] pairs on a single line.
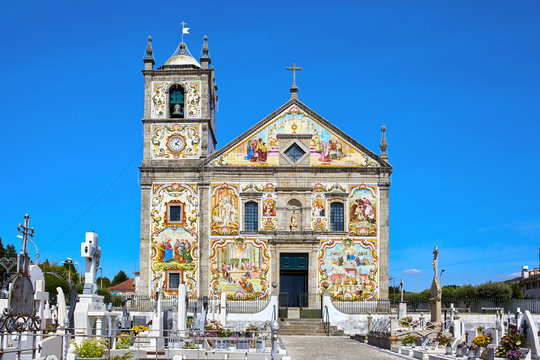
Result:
{"points": [[446, 265], [95, 201]]}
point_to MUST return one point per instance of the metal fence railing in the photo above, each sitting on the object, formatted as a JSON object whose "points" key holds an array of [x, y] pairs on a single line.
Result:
{"points": [[244, 307], [477, 305], [146, 303], [378, 306], [310, 300]]}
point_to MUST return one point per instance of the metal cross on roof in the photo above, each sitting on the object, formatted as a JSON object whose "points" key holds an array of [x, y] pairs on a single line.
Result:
{"points": [[294, 88], [294, 68], [185, 30]]}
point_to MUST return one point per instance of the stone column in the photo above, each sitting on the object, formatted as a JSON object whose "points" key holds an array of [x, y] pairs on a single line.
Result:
{"points": [[383, 239], [144, 282], [274, 264], [204, 238]]}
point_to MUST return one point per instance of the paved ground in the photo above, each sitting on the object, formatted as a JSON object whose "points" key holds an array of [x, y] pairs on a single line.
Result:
{"points": [[330, 348]]}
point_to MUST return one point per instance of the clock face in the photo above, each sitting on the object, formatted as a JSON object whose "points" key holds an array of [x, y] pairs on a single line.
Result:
{"points": [[176, 143]]}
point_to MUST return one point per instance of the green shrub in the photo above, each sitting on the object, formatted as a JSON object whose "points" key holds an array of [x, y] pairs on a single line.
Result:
{"points": [[123, 341], [91, 348], [408, 340]]}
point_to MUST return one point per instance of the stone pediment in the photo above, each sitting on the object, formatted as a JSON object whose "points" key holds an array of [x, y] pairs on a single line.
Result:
{"points": [[325, 144]]}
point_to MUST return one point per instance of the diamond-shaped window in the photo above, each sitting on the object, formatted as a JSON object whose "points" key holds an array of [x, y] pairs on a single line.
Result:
{"points": [[294, 152]]}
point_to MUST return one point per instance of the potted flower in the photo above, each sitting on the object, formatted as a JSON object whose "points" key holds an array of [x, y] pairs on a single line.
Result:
{"points": [[510, 344]]}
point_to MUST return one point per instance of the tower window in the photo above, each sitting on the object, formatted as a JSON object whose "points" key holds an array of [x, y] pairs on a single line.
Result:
{"points": [[251, 216], [294, 152], [336, 216], [176, 105]]}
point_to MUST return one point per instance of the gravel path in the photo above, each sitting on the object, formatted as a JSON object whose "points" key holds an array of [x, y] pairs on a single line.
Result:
{"points": [[330, 348]]}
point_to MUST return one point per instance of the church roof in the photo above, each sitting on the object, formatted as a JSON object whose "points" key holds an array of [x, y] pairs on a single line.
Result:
{"points": [[182, 57], [309, 123]]}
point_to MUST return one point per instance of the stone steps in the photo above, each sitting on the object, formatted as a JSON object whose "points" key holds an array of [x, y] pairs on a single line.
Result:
{"points": [[305, 327]]}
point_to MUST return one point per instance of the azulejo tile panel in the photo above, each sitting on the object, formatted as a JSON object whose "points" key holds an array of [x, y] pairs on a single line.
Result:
{"points": [[224, 209], [159, 99], [240, 267], [261, 148], [193, 99], [319, 216], [175, 141], [363, 210], [174, 245], [349, 267]]}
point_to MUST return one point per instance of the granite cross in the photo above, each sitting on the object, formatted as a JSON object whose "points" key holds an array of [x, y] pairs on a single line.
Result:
{"points": [[294, 68]]}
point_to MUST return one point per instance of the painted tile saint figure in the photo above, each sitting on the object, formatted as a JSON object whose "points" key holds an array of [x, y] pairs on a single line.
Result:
{"points": [[318, 208], [363, 210], [224, 215], [269, 207]]}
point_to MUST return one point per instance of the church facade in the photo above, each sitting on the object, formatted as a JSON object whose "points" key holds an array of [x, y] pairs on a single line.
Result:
{"points": [[292, 202]]}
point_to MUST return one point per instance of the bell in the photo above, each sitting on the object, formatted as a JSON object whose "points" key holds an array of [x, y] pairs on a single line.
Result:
{"points": [[177, 110]]}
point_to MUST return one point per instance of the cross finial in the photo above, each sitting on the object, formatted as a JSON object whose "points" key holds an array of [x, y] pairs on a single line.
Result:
{"points": [[294, 88], [185, 30]]}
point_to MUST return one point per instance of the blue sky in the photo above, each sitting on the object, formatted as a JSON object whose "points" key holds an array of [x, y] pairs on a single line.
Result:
{"points": [[455, 82]]}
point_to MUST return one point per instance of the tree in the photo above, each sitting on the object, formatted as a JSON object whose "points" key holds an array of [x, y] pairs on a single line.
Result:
{"points": [[517, 292], [8, 252], [120, 277], [106, 282], [51, 283], [495, 291]]}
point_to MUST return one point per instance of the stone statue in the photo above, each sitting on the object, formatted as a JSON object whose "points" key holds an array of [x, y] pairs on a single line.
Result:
{"points": [[61, 307], [294, 221], [436, 291]]}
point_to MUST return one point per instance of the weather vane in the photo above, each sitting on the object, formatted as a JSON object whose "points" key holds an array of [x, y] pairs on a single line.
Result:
{"points": [[185, 30]]}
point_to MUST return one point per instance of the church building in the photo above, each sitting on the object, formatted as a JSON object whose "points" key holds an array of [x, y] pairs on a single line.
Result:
{"points": [[293, 202]]}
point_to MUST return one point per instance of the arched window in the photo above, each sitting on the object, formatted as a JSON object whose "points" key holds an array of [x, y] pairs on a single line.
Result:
{"points": [[251, 216], [336, 216], [176, 103]]}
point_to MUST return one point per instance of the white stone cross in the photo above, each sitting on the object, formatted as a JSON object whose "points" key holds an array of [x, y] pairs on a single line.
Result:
{"points": [[92, 252]]}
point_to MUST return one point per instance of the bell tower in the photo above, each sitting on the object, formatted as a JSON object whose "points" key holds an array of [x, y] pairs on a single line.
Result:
{"points": [[179, 106], [179, 134]]}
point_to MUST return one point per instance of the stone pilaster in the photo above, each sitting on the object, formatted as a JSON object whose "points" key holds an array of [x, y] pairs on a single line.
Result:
{"points": [[145, 240], [384, 268], [204, 238]]}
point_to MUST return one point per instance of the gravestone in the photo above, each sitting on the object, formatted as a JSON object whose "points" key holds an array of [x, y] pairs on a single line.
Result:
{"points": [[139, 321], [21, 295], [532, 333], [72, 303], [491, 348]]}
